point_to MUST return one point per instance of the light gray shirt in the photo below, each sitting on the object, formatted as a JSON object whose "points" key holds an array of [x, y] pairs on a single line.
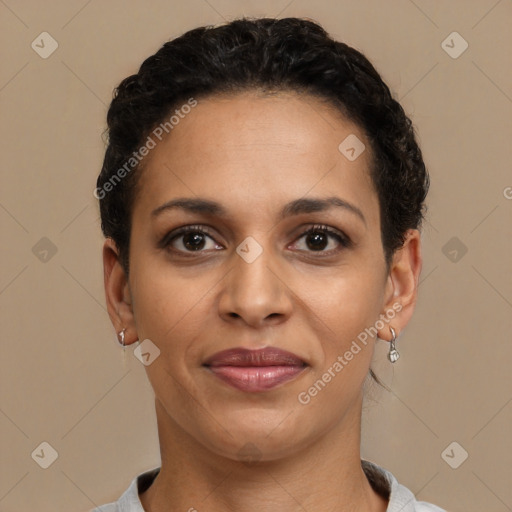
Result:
{"points": [[382, 481]]}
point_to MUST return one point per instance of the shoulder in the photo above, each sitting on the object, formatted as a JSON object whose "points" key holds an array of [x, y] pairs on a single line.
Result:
{"points": [[422, 506], [108, 507], [400, 497], [129, 501]]}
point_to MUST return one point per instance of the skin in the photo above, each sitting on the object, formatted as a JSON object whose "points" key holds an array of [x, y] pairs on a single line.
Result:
{"points": [[253, 154]]}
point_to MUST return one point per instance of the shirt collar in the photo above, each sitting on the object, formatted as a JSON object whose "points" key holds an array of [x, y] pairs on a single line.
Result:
{"points": [[382, 481]]}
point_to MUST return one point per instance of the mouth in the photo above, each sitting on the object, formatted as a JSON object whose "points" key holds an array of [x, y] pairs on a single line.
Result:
{"points": [[255, 370]]}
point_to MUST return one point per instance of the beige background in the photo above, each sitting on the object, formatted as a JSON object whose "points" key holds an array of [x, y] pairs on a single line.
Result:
{"points": [[62, 376]]}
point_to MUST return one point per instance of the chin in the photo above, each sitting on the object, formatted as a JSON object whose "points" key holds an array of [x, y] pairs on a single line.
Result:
{"points": [[252, 449], [259, 437]]}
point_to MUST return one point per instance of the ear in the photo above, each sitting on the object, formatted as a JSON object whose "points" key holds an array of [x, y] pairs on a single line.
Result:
{"points": [[402, 284], [117, 292]]}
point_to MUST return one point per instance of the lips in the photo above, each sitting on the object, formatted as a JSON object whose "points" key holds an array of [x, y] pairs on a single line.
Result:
{"points": [[263, 357], [255, 370]]}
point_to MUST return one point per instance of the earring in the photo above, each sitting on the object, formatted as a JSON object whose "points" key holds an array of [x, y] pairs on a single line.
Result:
{"points": [[393, 354], [120, 336]]}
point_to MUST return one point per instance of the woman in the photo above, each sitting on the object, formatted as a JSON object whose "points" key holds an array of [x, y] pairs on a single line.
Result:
{"points": [[261, 198]]}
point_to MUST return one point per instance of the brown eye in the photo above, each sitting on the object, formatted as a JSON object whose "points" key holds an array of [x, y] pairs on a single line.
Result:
{"points": [[193, 241], [189, 239], [318, 238]]}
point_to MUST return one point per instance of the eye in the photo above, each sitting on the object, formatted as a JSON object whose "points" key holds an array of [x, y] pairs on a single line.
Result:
{"points": [[320, 237], [190, 239]]}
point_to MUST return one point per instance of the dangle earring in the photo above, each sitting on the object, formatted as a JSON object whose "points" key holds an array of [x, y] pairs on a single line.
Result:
{"points": [[120, 336], [393, 354]]}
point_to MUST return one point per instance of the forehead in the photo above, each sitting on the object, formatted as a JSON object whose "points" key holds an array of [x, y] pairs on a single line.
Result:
{"points": [[252, 150]]}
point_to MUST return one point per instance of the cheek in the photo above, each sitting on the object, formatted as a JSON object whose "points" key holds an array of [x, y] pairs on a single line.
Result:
{"points": [[347, 304], [351, 306], [347, 300], [173, 313], [176, 314], [166, 303]]}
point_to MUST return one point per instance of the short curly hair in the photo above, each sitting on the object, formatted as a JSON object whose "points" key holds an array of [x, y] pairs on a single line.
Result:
{"points": [[289, 54]]}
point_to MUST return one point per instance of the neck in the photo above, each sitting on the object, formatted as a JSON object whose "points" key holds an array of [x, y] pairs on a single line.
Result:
{"points": [[324, 476]]}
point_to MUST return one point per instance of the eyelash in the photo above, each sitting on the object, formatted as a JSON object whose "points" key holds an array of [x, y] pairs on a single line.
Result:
{"points": [[343, 240]]}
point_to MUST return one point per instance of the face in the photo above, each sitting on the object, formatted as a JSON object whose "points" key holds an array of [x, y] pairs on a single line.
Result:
{"points": [[249, 275]]}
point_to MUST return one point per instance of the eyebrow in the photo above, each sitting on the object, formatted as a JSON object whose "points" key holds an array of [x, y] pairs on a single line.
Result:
{"points": [[296, 207]]}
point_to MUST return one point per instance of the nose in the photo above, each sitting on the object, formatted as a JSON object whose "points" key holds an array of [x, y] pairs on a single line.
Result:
{"points": [[255, 293]]}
